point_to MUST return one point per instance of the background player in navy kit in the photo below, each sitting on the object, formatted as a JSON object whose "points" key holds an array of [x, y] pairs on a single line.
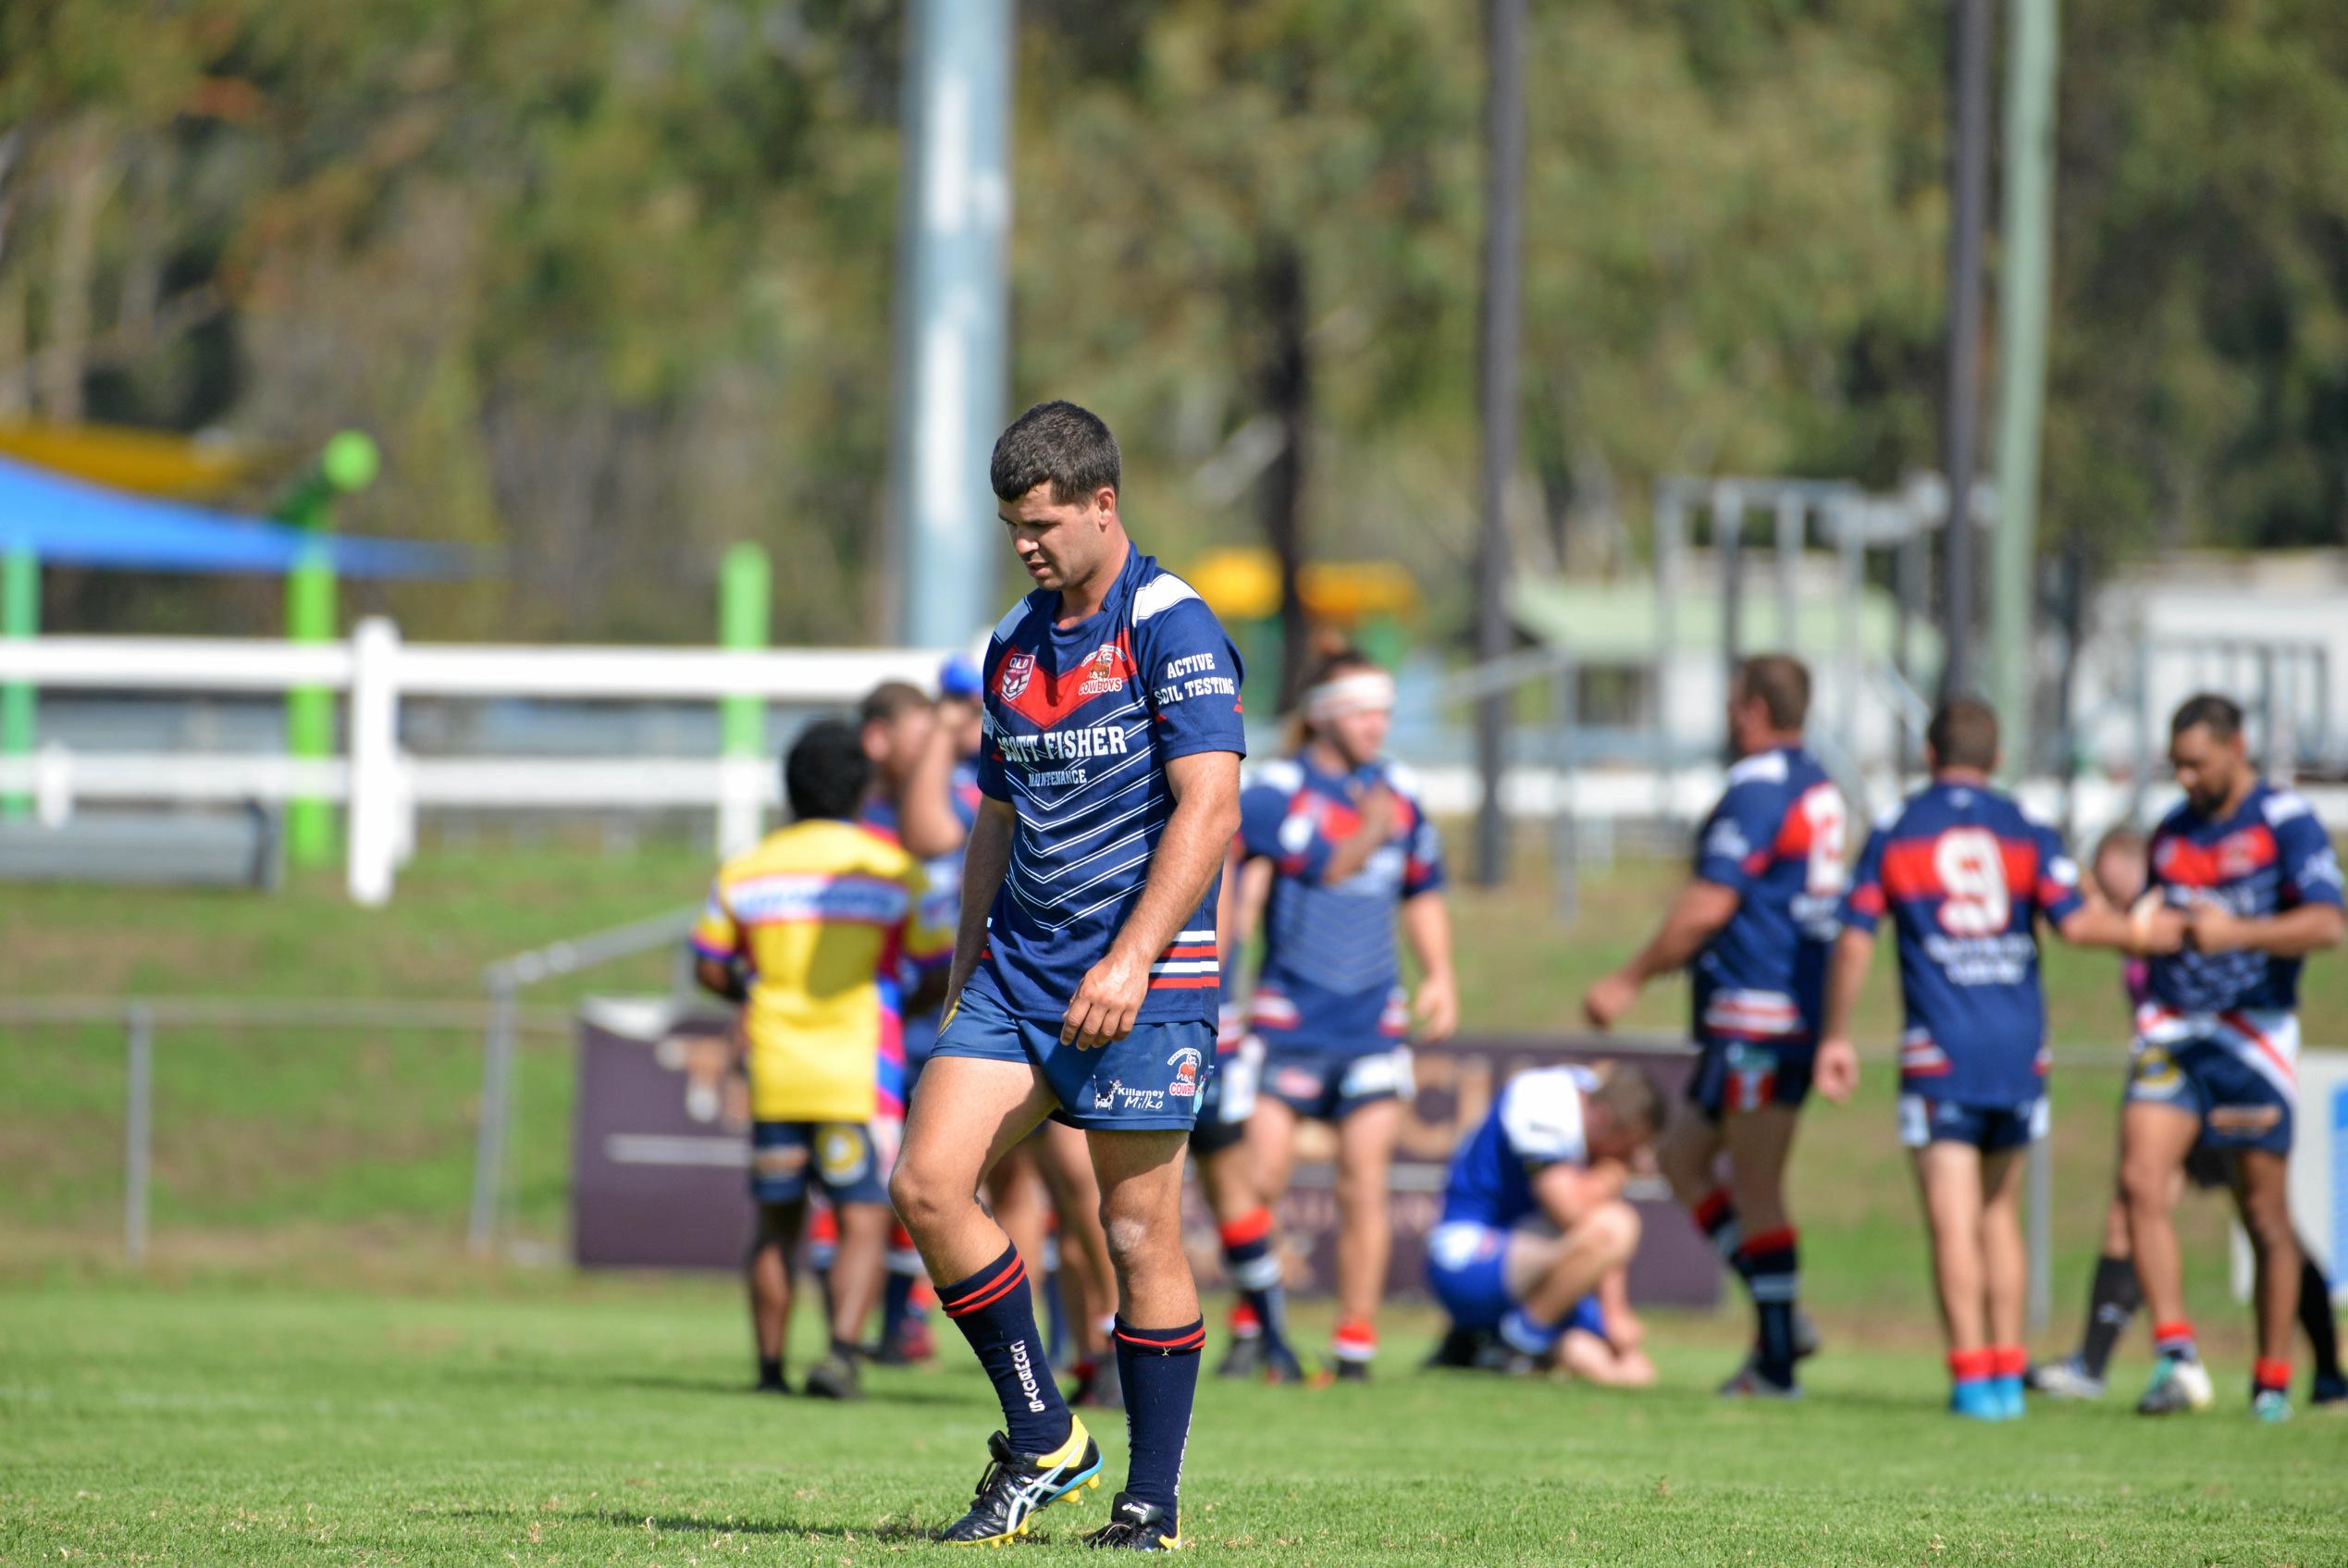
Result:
{"points": [[1965, 878], [2217, 1040], [1753, 926], [2121, 872], [1352, 854], [1534, 1219], [1084, 978]]}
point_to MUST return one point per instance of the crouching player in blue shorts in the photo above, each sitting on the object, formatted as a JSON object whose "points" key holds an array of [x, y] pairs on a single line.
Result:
{"points": [[1085, 977], [1533, 1217], [1966, 878], [1753, 926], [2255, 877]]}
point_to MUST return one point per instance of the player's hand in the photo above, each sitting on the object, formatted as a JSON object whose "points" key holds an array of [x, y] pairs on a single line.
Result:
{"points": [[1436, 1007], [1608, 1000], [2213, 928], [1106, 1001], [1379, 811], [1836, 1073], [2155, 930]]}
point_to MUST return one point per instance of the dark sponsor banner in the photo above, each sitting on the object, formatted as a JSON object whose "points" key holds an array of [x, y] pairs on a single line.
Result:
{"points": [[661, 1155], [659, 1144]]}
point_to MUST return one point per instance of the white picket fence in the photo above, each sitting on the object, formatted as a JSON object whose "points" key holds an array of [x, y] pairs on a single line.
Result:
{"points": [[382, 787]]}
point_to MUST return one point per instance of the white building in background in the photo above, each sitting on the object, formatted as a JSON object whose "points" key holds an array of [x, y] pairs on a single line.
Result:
{"points": [[1636, 699], [2269, 629]]}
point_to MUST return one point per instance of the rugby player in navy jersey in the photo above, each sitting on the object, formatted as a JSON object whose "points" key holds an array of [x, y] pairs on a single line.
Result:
{"points": [[1966, 879], [2255, 876], [1353, 858], [1084, 979], [1752, 927]]}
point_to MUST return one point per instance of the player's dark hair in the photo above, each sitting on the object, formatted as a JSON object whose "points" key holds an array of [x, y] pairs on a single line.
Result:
{"points": [[1781, 683], [2222, 716], [890, 698], [1631, 1097], [1963, 734], [1060, 443], [827, 773]]}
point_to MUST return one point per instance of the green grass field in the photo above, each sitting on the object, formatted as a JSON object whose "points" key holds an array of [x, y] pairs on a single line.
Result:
{"points": [[308, 1369], [604, 1424]]}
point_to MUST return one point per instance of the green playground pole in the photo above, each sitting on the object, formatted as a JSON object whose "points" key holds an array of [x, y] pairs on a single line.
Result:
{"points": [[743, 580], [19, 617], [347, 464]]}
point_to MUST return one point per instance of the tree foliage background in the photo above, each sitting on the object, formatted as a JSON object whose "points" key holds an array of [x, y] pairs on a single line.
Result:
{"points": [[609, 279]]}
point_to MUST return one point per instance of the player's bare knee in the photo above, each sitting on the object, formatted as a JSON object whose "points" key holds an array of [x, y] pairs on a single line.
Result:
{"points": [[1613, 1231], [921, 1201], [2143, 1182]]}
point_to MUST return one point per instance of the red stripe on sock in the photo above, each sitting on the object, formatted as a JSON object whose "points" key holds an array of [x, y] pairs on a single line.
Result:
{"points": [[1970, 1367], [1243, 1320], [2181, 1331], [1711, 1207], [1777, 1240], [2008, 1360], [1354, 1331], [1182, 1338], [991, 1291], [1252, 1226], [2264, 1373]]}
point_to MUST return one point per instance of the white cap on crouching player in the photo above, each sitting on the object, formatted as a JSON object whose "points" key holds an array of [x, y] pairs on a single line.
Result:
{"points": [[1357, 691]]}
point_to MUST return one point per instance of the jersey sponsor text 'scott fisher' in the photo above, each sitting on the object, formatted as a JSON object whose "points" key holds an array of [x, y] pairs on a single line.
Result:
{"points": [[1081, 722]]}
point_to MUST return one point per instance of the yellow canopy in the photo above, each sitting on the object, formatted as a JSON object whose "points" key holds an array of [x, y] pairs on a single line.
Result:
{"points": [[148, 462], [1243, 584]]}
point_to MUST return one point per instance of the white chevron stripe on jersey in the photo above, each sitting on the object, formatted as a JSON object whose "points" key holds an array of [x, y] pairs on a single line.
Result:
{"points": [[1161, 592], [1040, 816], [1043, 910], [1035, 852]]}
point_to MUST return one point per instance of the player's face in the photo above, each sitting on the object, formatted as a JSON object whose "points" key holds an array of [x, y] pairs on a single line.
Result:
{"points": [[2120, 871], [1749, 729], [894, 743], [1360, 737], [1059, 542], [2207, 770]]}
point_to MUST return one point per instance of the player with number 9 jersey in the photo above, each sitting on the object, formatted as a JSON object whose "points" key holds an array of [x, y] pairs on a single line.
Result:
{"points": [[1965, 878]]}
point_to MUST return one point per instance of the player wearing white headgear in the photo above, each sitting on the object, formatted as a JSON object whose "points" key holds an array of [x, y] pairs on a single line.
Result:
{"points": [[1349, 851]]}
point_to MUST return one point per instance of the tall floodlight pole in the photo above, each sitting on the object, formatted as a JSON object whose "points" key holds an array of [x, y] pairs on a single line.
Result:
{"points": [[1503, 246], [2024, 261], [953, 305], [1961, 415]]}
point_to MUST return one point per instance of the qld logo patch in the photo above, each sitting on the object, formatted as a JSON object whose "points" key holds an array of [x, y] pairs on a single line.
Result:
{"points": [[1017, 670]]}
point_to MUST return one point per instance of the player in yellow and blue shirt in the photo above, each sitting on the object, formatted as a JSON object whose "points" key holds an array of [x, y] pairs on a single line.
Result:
{"points": [[815, 931]]}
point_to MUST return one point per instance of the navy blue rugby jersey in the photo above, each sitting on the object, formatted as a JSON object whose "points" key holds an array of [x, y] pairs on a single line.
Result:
{"points": [[1080, 721]]}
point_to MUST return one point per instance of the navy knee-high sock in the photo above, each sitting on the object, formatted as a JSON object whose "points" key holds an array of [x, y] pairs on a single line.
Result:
{"points": [[997, 1314], [1715, 1216], [1159, 1369], [1255, 1268], [1774, 1272]]}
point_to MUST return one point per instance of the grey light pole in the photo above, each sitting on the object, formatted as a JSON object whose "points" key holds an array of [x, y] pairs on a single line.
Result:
{"points": [[953, 308], [1503, 248]]}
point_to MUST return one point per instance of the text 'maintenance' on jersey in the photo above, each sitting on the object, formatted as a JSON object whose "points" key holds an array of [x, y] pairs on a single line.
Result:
{"points": [[1081, 722], [2269, 855], [1537, 1122], [1966, 877], [829, 914], [1330, 975], [1776, 841]]}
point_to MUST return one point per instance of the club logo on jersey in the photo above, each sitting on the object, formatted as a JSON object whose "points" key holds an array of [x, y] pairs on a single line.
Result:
{"points": [[1185, 1063], [1018, 669], [1104, 671], [2239, 854]]}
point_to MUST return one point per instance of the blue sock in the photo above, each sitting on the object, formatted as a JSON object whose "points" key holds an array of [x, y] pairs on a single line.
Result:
{"points": [[1520, 1331], [1159, 1369], [896, 1306], [995, 1311]]}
